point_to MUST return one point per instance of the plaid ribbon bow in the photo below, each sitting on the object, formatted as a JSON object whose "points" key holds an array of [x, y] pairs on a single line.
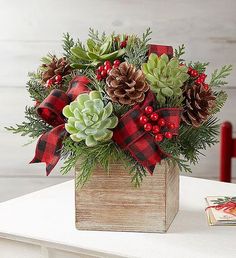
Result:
{"points": [[50, 110], [130, 135]]}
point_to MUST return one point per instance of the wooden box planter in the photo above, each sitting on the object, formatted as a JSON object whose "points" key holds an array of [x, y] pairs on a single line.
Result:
{"points": [[111, 203]]}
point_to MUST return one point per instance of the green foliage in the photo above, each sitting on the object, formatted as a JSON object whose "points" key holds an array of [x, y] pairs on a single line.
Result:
{"points": [[35, 88], [193, 140], [89, 119], [166, 77], [96, 37], [221, 98], [68, 43], [179, 52], [218, 76], [136, 49], [100, 155], [33, 127]]}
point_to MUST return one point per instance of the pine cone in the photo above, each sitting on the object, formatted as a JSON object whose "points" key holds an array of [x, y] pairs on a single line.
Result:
{"points": [[59, 66], [198, 104], [126, 85]]}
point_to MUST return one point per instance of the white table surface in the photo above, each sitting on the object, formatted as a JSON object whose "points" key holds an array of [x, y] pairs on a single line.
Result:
{"points": [[46, 218]]}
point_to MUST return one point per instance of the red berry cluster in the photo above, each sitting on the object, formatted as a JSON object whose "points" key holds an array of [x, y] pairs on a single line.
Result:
{"points": [[56, 80], [103, 70], [199, 78], [153, 123]]}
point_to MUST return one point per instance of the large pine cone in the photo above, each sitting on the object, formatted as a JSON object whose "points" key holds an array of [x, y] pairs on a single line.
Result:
{"points": [[198, 105], [56, 67], [126, 85]]}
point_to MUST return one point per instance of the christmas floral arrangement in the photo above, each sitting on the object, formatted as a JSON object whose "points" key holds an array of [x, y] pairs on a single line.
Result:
{"points": [[119, 98]]}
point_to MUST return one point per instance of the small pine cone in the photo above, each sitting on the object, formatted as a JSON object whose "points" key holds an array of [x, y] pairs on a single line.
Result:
{"points": [[126, 85], [59, 66], [198, 105]]}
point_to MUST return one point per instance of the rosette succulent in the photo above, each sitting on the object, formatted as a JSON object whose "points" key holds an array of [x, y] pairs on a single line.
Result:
{"points": [[89, 119], [166, 76]]}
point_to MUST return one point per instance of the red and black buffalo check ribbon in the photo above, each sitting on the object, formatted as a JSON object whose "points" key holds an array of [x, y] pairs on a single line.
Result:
{"points": [[50, 110], [130, 135]]}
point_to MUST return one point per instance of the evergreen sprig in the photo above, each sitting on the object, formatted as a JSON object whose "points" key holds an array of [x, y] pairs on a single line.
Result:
{"points": [[68, 43], [136, 50], [35, 88], [95, 35], [218, 76], [179, 52], [221, 98], [33, 127]]}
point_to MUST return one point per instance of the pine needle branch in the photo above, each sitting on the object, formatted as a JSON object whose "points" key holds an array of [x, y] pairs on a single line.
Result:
{"points": [[221, 98], [218, 76], [33, 127], [179, 52], [68, 43], [136, 50]]}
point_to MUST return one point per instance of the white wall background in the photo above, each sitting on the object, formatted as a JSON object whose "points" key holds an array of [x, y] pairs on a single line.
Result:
{"points": [[29, 29]]}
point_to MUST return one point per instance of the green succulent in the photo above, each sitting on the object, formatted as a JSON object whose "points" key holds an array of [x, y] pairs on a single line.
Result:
{"points": [[166, 77], [95, 53], [89, 119]]}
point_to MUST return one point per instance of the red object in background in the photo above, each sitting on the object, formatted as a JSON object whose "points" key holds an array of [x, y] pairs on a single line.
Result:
{"points": [[227, 151]]}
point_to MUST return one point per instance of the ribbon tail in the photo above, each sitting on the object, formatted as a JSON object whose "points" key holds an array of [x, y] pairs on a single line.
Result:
{"points": [[146, 152], [48, 148]]}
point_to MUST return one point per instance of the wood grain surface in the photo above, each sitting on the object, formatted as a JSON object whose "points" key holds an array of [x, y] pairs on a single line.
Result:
{"points": [[111, 203]]}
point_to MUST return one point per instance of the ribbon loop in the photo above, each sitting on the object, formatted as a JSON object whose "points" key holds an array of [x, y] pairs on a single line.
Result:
{"points": [[50, 110]]}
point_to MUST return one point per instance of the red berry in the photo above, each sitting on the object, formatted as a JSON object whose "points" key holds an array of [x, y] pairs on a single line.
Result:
{"points": [[58, 78], [123, 44], [108, 71], [107, 63], [155, 129], [100, 68], [171, 126], [190, 69], [49, 83], [154, 116], [199, 81], [148, 110], [168, 135], [147, 127], [107, 67], [143, 119], [206, 87], [203, 76], [116, 62], [161, 122], [158, 137], [99, 77], [104, 73], [194, 73]]}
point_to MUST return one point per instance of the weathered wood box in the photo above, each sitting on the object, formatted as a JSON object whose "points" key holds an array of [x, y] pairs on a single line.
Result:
{"points": [[111, 203]]}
